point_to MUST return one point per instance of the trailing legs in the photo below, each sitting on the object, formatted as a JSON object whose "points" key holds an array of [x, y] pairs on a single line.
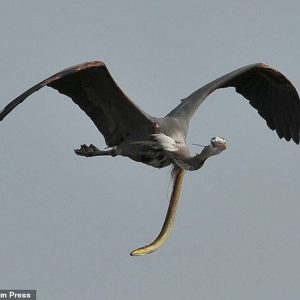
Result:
{"points": [[91, 150]]}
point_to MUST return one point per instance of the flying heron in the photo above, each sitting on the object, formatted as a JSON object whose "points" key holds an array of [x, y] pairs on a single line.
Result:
{"points": [[160, 142]]}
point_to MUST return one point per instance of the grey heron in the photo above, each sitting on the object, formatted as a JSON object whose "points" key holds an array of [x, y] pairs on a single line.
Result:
{"points": [[160, 142]]}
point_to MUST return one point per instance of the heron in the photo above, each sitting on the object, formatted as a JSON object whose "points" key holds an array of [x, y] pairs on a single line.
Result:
{"points": [[160, 142]]}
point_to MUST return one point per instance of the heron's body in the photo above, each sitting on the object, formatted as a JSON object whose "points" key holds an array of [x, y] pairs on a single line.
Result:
{"points": [[160, 142], [157, 148]]}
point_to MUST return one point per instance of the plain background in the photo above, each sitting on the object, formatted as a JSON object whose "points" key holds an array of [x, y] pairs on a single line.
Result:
{"points": [[67, 223]]}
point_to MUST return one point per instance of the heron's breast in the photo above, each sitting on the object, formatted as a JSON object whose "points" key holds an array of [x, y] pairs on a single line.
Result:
{"points": [[147, 152], [156, 159]]}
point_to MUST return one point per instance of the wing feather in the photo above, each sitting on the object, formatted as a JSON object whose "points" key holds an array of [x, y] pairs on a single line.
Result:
{"points": [[91, 86], [267, 90]]}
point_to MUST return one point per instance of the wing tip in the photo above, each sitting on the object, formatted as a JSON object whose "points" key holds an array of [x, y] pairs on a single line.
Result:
{"points": [[296, 139]]}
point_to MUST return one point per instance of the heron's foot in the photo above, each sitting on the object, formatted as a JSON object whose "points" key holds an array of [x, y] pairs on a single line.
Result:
{"points": [[88, 151]]}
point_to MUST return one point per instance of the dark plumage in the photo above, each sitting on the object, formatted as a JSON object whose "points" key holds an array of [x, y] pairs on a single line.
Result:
{"points": [[159, 142], [91, 86]]}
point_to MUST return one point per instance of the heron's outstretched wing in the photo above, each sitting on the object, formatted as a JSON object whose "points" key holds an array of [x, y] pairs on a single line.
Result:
{"points": [[91, 86], [267, 90]]}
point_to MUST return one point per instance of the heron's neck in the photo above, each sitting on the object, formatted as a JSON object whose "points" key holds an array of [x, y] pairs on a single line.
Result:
{"points": [[193, 163], [197, 161]]}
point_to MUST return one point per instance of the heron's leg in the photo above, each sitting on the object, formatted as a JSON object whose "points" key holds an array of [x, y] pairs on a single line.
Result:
{"points": [[169, 220], [91, 150]]}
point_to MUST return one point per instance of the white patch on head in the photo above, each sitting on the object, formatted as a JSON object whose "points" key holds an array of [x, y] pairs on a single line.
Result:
{"points": [[218, 139], [166, 142], [217, 145]]}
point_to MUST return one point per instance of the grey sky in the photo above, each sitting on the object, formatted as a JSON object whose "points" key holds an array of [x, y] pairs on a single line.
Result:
{"points": [[67, 224]]}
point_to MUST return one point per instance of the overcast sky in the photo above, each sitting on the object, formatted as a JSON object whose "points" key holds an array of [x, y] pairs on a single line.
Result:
{"points": [[67, 223]]}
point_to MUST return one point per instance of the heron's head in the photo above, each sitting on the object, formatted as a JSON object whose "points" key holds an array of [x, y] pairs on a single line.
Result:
{"points": [[217, 145]]}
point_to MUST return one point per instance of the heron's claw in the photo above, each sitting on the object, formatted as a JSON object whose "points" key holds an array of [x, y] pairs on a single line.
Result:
{"points": [[87, 151]]}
